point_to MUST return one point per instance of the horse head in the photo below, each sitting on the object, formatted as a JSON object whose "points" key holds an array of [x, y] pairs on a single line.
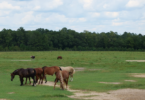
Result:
{"points": [[16, 72], [12, 76]]}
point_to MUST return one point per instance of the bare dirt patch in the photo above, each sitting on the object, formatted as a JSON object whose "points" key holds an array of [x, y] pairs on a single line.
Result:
{"points": [[135, 60], [130, 80], [11, 92], [20, 60], [110, 82], [4, 99], [79, 69], [122, 94], [142, 75]]}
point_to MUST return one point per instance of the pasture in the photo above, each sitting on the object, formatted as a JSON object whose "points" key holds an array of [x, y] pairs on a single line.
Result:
{"points": [[94, 69]]}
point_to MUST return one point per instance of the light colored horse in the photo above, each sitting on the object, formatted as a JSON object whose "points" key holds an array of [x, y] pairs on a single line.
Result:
{"points": [[71, 71], [63, 76]]}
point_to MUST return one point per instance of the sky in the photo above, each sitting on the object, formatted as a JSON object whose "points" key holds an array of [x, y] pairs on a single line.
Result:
{"points": [[92, 15]]}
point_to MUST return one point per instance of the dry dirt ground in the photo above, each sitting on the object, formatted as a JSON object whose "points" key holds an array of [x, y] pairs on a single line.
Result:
{"points": [[135, 60], [121, 94]]}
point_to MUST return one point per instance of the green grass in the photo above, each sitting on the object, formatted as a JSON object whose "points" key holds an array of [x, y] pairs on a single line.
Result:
{"points": [[111, 66]]}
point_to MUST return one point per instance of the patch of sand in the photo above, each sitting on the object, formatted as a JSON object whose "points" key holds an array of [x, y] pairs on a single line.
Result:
{"points": [[135, 60], [20, 60], [11, 92], [142, 75], [130, 80], [110, 82], [3, 99], [121, 94], [79, 69]]}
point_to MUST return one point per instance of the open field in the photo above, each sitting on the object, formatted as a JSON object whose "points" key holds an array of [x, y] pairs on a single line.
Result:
{"points": [[97, 71]]}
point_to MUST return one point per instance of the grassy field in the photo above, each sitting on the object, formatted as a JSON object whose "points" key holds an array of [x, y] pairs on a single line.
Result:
{"points": [[107, 66]]}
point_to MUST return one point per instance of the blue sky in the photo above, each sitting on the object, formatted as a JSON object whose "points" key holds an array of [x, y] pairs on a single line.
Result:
{"points": [[79, 15]]}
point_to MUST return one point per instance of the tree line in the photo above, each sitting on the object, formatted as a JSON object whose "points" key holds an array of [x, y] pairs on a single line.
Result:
{"points": [[67, 39]]}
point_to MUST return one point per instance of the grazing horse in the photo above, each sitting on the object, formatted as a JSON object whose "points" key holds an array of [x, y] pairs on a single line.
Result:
{"points": [[71, 71], [33, 57], [39, 73], [50, 71], [63, 76], [59, 57], [29, 72]]}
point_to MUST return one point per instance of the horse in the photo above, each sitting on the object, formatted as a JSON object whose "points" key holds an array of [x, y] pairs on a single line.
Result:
{"points": [[33, 57], [71, 71], [59, 57], [39, 73], [63, 76], [29, 72], [50, 71]]}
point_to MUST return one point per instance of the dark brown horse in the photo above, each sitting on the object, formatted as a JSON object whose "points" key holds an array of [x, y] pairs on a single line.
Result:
{"points": [[59, 57], [33, 57], [63, 76], [30, 72], [50, 71]]}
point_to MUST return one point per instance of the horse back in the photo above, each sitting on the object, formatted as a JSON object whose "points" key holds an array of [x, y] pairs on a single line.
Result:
{"points": [[39, 71], [50, 70], [65, 74], [27, 72]]}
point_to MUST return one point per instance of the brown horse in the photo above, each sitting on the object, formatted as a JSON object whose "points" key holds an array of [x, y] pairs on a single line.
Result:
{"points": [[39, 73], [49, 71], [33, 57], [30, 72], [59, 57], [63, 76]]}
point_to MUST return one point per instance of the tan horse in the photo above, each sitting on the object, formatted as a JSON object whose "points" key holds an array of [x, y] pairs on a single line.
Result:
{"points": [[50, 71], [63, 76], [71, 71]]}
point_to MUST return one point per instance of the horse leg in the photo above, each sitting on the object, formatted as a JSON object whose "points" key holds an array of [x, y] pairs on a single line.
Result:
{"points": [[26, 81], [65, 82], [40, 77], [29, 81], [34, 83], [45, 79], [37, 78], [55, 84], [21, 79]]}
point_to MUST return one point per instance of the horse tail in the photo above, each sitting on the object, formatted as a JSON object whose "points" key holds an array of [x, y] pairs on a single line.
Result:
{"points": [[61, 79], [73, 70], [34, 77], [34, 72], [43, 71], [44, 74]]}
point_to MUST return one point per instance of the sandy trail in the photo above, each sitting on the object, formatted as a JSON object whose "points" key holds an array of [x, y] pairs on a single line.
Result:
{"points": [[122, 94]]}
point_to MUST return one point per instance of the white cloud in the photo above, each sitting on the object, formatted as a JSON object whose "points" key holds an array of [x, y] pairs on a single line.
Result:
{"points": [[117, 23], [27, 17], [95, 14], [56, 18], [37, 7], [5, 5], [51, 4], [87, 4], [111, 14], [105, 6], [135, 3], [82, 19]]}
